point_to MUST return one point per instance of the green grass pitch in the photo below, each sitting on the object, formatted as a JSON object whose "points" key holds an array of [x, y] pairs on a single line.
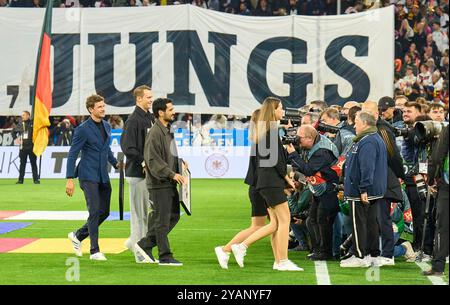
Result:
{"points": [[220, 210]]}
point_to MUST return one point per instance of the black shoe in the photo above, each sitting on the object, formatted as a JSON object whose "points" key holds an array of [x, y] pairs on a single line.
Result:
{"points": [[346, 255], [321, 257], [37, 182], [170, 262], [432, 273], [146, 254], [292, 244], [19, 182]]}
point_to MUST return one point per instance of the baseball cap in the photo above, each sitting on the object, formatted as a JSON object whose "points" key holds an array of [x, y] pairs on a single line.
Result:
{"points": [[386, 102]]}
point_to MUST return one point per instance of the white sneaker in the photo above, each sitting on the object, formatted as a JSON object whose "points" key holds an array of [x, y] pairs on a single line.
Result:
{"points": [[425, 257], [144, 257], [354, 262], [446, 260], [383, 261], [222, 257], [99, 256], [410, 255], [239, 251], [275, 266], [139, 258], [288, 265], [129, 244], [76, 244]]}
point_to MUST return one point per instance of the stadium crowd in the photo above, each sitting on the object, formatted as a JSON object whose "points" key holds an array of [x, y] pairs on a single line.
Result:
{"points": [[421, 37]]}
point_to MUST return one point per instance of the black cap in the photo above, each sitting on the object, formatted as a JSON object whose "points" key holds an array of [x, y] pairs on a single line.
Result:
{"points": [[386, 102]]}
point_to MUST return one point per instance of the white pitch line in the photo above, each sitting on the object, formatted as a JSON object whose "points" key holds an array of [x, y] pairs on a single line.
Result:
{"points": [[323, 278], [436, 280]]}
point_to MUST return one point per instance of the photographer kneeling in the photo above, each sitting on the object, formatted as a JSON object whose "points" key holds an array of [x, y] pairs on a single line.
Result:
{"points": [[321, 155]]}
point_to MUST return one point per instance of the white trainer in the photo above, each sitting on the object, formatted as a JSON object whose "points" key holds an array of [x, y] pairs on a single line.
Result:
{"points": [[99, 256], [287, 265], [410, 255], [383, 261], [222, 257], [76, 244], [142, 256], [425, 257], [128, 244], [275, 266], [139, 258], [239, 252], [355, 262]]}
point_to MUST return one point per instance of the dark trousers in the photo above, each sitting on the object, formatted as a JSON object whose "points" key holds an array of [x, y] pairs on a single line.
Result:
{"points": [[23, 155], [313, 227], [365, 228], [430, 230], [418, 211], [441, 237], [384, 221], [163, 218], [320, 221], [98, 201]]}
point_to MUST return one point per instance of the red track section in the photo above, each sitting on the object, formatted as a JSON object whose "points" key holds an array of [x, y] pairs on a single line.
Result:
{"points": [[10, 244], [6, 214]]}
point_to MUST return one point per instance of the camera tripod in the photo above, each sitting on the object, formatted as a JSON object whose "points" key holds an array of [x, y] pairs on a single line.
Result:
{"points": [[425, 223]]}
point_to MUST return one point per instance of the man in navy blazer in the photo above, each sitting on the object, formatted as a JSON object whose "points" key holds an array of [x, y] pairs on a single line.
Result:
{"points": [[91, 138]]}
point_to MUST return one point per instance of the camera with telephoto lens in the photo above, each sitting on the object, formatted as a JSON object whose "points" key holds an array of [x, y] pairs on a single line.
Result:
{"points": [[428, 131], [403, 132], [421, 186], [287, 139], [291, 137], [322, 127], [292, 114]]}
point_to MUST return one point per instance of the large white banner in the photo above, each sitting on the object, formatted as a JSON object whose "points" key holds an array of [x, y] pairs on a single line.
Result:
{"points": [[206, 61], [204, 162]]}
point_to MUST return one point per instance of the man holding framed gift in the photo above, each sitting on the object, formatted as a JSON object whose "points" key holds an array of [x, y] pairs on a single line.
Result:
{"points": [[161, 158]]}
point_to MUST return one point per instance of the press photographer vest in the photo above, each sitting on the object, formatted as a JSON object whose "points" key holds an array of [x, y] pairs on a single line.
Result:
{"points": [[316, 183]]}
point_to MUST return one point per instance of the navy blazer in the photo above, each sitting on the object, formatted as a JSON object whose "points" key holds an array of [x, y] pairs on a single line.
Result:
{"points": [[95, 153]]}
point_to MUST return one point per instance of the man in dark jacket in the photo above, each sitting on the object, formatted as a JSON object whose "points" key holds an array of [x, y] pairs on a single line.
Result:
{"points": [[91, 139], [395, 171], [438, 170], [24, 131], [365, 184], [321, 155], [161, 158], [132, 143]]}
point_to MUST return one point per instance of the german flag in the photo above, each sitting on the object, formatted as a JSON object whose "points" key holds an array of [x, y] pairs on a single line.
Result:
{"points": [[42, 103]]}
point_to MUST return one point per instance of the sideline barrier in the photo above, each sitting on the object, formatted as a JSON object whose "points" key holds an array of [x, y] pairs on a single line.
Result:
{"points": [[204, 161]]}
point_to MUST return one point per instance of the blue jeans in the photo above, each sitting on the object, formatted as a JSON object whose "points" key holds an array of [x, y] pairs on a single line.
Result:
{"points": [[398, 250], [300, 233]]}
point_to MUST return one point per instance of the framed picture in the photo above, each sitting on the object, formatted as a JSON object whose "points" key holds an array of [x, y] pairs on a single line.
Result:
{"points": [[185, 190]]}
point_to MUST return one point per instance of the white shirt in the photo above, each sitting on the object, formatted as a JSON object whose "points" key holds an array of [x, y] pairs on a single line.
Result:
{"points": [[441, 40]]}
